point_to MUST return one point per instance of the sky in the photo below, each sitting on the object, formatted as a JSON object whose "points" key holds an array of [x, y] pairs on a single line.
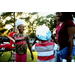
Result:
{"points": [[41, 13], [45, 13]]}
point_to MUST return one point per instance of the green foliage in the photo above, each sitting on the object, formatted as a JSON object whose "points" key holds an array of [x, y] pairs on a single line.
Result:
{"points": [[31, 24], [9, 21], [33, 13], [3, 30], [4, 15], [32, 35]]}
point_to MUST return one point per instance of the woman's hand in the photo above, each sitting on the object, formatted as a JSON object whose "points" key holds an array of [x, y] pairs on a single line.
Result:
{"points": [[53, 36], [68, 58]]}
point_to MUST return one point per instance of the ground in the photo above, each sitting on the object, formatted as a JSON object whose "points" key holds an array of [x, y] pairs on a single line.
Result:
{"points": [[6, 55]]}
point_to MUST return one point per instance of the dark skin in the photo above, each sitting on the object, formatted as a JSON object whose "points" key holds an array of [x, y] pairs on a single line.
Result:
{"points": [[21, 29], [70, 31], [35, 40], [53, 37]]}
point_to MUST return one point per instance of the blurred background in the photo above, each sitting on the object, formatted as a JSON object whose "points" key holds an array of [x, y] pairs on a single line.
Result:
{"points": [[32, 21]]}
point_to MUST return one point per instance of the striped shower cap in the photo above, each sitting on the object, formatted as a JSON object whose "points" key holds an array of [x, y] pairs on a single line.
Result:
{"points": [[43, 33]]}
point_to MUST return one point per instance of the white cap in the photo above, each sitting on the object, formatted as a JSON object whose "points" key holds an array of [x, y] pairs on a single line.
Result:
{"points": [[43, 33], [19, 22]]}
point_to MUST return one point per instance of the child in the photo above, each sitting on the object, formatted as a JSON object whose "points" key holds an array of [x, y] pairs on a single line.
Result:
{"points": [[20, 42], [12, 41], [45, 49]]}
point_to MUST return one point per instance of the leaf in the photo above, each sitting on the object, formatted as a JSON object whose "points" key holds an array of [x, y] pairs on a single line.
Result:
{"points": [[3, 30], [48, 16], [27, 18], [6, 14], [34, 13], [9, 21]]}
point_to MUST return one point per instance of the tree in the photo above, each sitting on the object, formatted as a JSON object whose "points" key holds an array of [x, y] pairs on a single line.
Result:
{"points": [[47, 20], [32, 20], [10, 21]]}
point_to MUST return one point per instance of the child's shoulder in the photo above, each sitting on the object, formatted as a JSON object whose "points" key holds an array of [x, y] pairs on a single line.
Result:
{"points": [[26, 35], [36, 44], [51, 43]]}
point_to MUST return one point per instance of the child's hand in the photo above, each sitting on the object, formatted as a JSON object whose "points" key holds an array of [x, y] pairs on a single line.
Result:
{"points": [[32, 57]]}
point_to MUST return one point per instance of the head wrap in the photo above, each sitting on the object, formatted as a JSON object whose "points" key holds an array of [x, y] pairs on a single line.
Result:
{"points": [[19, 22], [43, 33]]}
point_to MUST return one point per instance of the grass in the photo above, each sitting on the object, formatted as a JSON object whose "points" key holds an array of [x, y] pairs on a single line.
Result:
{"points": [[29, 56], [6, 55]]}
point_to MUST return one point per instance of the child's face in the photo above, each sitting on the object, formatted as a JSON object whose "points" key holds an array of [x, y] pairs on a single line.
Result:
{"points": [[21, 28]]}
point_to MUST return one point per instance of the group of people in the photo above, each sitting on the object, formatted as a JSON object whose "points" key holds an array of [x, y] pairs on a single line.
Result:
{"points": [[47, 50]]}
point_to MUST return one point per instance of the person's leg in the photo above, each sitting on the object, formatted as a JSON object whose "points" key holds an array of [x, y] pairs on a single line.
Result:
{"points": [[57, 57], [18, 58], [63, 53], [24, 57]]}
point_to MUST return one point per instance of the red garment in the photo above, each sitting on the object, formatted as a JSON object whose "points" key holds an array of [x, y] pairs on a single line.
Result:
{"points": [[8, 46], [1, 46], [45, 50], [61, 32], [45, 58], [11, 35]]}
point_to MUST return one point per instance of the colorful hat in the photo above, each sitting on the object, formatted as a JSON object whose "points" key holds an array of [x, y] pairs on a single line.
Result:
{"points": [[43, 33], [19, 22]]}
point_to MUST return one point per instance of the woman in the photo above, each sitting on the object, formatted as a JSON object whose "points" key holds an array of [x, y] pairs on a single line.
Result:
{"points": [[65, 33]]}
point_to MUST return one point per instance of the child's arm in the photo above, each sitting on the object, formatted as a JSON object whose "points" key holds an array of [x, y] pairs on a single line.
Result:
{"points": [[11, 38], [29, 48], [34, 41]]}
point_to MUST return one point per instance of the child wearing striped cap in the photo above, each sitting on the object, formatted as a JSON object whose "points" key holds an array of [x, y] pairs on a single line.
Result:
{"points": [[44, 49]]}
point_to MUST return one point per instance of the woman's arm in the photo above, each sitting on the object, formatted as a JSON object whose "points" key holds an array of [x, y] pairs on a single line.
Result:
{"points": [[53, 37], [70, 31]]}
